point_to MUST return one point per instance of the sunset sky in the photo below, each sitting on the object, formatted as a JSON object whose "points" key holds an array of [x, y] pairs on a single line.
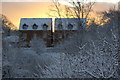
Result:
{"points": [[113, 1], [16, 10]]}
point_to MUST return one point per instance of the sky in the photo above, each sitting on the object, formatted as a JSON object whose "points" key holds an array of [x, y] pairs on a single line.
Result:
{"points": [[15, 10], [113, 1]]}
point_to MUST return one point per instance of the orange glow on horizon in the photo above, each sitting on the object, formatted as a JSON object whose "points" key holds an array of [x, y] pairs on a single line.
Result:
{"points": [[17, 10]]}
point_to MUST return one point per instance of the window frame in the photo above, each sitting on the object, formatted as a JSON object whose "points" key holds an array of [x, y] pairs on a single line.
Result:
{"points": [[24, 26], [34, 26], [70, 26], [45, 26]]}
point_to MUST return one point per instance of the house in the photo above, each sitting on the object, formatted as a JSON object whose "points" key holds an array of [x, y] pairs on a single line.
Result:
{"points": [[41, 27], [65, 27]]}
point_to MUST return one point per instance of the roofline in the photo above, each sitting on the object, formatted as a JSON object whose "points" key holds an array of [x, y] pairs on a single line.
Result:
{"points": [[36, 18], [51, 18], [49, 30], [34, 30], [70, 18]]}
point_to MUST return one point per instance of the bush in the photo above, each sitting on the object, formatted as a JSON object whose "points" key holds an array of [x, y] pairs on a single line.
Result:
{"points": [[38, 45]]}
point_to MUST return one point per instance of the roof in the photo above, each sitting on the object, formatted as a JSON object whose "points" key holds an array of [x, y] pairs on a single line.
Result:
{"points": [[68, 23], [46, 23], [35, 24]]}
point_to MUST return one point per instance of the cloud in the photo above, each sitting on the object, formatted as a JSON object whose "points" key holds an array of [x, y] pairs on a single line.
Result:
{"points": [[62, 1], [109, 1], [26, 0], [66, 3]]}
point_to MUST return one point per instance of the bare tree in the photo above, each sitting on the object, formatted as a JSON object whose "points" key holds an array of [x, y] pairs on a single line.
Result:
{"points": [[97, 57], [55, 10], [78, 9]]}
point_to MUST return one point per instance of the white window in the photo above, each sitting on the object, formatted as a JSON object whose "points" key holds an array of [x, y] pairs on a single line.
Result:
{"points": [[60, 26], [45, 26], [70, 26], [35, 26], [25, 26]]}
